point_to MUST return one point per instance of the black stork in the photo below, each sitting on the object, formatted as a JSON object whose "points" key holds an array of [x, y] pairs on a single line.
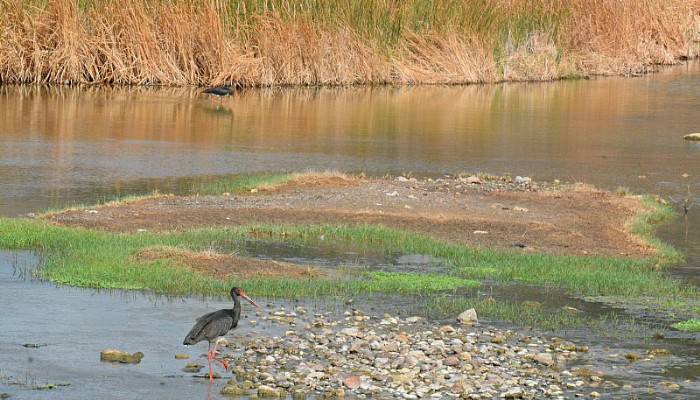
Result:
{"points": [[220, 91], [212, 326]]}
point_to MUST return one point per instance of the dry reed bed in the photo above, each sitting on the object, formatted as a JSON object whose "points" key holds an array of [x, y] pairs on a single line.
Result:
{"points": [[331, 42]]}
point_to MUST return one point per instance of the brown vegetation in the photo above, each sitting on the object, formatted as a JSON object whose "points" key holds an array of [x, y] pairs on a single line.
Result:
{"points": [[279, 42], [225, 265], [313, 179]]}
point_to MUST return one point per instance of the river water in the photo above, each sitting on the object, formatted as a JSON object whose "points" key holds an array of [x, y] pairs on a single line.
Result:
{"points": [[61, 146]]}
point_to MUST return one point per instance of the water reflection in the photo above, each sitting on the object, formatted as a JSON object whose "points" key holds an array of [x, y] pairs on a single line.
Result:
{"points": [[58, 141]]}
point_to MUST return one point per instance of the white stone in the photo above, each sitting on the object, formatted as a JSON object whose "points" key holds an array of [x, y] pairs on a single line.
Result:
{"points": [[468, 317]]}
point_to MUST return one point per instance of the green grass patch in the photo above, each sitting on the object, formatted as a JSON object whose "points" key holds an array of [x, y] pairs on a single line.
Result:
{"points": [[87, 258], [592, 276], [644, 226], [691, 325], [240, 183], [416, 283]]}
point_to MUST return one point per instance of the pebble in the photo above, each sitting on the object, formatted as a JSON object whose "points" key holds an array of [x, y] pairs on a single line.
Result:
{"points": [[268, 392], [658, 352], [192, 368], [544, 359], [451, 361], [232, 389], [519, 180], [468, 317], [118, 356], [473, 180], [670, 386], [515, 393], [352, 382]]}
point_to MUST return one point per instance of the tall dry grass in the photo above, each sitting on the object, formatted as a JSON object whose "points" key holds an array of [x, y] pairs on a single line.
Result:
{"points": [[338, 42]]}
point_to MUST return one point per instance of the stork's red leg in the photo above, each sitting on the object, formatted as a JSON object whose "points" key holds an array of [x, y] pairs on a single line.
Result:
{"points": [[209, 357], [214, 353]]}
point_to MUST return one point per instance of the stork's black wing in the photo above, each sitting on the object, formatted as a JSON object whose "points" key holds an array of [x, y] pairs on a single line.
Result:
{"points": [[210, 326], [219, 90]]}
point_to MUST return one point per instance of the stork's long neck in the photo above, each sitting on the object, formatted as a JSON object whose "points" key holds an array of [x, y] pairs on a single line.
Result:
{"points": [[236, 309]]}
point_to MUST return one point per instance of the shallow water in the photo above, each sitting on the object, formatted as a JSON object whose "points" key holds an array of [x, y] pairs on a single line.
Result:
{"points": [[333, 256]]}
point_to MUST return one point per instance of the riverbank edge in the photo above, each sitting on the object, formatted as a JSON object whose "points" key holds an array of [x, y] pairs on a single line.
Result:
{"points": [[645, 69]]}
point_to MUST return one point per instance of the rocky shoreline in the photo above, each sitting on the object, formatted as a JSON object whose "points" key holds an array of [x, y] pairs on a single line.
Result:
{"points": [[358, 356]]}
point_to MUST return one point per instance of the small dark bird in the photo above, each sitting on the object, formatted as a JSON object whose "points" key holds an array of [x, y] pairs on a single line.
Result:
{"points": [[212, 326], [220, 91]]}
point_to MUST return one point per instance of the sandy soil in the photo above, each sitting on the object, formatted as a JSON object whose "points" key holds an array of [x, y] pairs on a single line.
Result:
{"points": [[574, 220], [226, 265]]}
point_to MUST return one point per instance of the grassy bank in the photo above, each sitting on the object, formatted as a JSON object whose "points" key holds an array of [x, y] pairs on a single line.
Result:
{"points": [[97, 259], [311, 42], [644, 224]]}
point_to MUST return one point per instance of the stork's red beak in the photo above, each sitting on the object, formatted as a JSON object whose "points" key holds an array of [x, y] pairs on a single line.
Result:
{"points": [[248, 299]]}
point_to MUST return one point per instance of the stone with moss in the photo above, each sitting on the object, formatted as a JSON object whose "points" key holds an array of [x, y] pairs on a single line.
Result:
{"points": [[268, 392], [122, 357], [233, 390], [192, 367]]}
